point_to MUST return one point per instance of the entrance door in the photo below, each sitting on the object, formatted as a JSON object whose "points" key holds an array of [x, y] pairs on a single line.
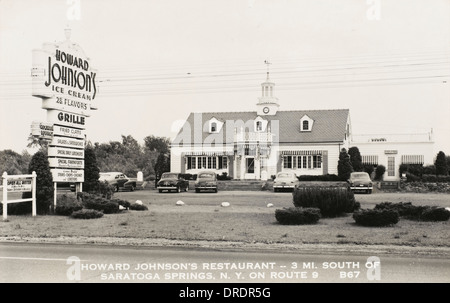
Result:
{"points": [[250, 165]]}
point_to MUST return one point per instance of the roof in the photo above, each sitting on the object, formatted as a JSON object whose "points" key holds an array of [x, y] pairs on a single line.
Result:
{"points": [[328, 125]]}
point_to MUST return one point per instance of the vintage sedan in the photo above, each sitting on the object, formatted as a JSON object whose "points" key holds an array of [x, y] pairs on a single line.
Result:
{"points": [[172, 181], [285, 180], [206, 180], [118, 180], [360, 181]]}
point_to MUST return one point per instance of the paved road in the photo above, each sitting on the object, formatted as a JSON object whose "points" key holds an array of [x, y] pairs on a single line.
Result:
{"points": [[21, 262]]}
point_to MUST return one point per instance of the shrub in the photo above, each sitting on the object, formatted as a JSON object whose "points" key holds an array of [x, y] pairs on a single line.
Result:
{"points": [[368, 168], [403, 209], [379, 172], [376, 217], [121, 202], [99, 203], [435, 214], [66, 205], [429, 170], [332, 201], [105, 189], [297, 215], [136, 206], [86, 214]]}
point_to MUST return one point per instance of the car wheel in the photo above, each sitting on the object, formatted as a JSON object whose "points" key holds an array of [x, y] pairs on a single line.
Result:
{"points": [[186, 189], [369, 191], [132, 188], [179, 189], [117, 188], [215, 190], [160, 190], [197, 190]]}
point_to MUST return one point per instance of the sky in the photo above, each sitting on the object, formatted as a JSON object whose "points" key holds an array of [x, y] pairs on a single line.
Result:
{"points": [[388, 61]]}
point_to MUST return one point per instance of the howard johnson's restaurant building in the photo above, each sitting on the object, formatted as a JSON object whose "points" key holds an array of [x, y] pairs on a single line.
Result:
{"points": [[257, 144]]}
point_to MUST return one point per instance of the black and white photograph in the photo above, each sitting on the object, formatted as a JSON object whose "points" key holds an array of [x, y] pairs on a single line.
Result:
{"points": [[226, 149]]}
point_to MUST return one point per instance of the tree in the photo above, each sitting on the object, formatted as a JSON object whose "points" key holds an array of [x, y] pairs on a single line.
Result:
{"points": [[355, 158], [91, 170], [159, 144], [44, 186], [14, 163], [162, 165], [441, 164], [344, 165]]}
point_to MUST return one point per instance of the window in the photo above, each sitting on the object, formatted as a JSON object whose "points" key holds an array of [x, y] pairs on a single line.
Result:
{"points": [[287, 161], [305, 125], [317, 161], [213, 127], [259, 126]]}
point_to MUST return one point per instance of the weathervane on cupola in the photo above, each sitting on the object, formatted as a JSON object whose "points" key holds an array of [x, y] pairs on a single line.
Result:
{"points": [[268, 104]]}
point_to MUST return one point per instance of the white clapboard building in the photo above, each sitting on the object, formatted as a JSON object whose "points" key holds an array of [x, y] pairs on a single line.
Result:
{"points": [[258, 144]]}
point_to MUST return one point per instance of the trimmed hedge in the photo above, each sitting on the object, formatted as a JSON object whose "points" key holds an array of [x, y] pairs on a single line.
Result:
{"points": [[99, 203], [136, 206], [326, 177], [435, 214], [297, 215], [332, 201], [86, 214], [412, 212], [66, 205], [376, 217]]}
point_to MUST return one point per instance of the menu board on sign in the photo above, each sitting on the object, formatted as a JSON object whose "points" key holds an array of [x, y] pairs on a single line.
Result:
{"points": [[68, 132], [55, 151], [67, 175], [67, 142], [66, 163]]}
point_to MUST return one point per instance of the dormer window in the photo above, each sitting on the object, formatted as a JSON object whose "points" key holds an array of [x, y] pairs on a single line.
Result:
{"points": [[260, 124], [214, 126], [306, 124]]}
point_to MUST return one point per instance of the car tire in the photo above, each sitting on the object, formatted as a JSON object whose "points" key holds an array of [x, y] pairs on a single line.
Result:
{"points": [[116, 188], [197, 190], [132, 188], [186, 189], [179, 189], [215, 190], [160, 190]]}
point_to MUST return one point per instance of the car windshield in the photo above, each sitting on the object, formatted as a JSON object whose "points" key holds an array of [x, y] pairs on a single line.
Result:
{"points": [[206, 175], [360, 176], [169, 176]]}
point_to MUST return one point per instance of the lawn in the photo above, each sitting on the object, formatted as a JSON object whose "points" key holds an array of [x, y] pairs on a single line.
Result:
{"points": [[246, 220]]}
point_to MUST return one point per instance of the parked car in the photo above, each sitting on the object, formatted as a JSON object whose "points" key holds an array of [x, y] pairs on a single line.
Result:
{"points": [[360, 181], [285, 180], [118, 180], [172, 181], [206, 180]]}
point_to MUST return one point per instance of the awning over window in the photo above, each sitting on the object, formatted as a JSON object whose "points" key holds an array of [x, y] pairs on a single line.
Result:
{"points": [[412, 159], [208, 153], [369, 159], [300, 152]]}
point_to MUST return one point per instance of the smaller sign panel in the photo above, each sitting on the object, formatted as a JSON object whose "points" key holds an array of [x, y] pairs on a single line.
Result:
{"points": [[66, 163], [68, 132], [67, 142], [55, 151], [68, 105], [67, 175], [19, 185], [67, 119], [43, 130], [391, 152]]}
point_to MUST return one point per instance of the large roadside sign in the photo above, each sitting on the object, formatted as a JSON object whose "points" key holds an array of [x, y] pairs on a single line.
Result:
{"points": [[66, 163], [59, 130]]}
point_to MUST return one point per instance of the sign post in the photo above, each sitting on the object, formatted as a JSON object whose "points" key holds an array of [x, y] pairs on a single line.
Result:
{"points": [[19, 183], [62, 77]]}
